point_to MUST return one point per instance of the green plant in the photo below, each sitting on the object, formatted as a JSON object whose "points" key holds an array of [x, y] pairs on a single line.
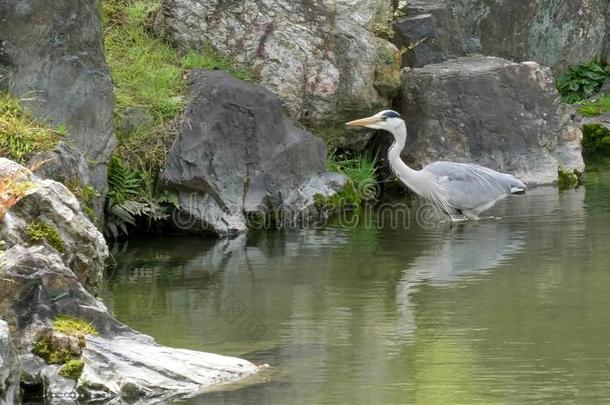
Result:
{"points": [[39, 231], [50, 353], [73, 326], [596, 138], [21, 135], [582, 81], [596, 107], [72, 369], [360, 186], [133, 194]]}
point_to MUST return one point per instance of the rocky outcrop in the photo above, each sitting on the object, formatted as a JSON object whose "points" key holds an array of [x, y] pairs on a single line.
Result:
{"points": [[555, 33], [321, 58], [10, 368], [238, 155], [51, 208], [490, 111], [53, 270], [51, 56]]}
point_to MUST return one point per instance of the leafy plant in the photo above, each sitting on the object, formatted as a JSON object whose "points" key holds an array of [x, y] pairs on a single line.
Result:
{"points": [[132, 194], [582, 81]]}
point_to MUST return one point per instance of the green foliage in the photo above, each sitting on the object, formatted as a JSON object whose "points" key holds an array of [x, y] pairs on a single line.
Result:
{"points": [[567, 179], [72, 369], [596, 138], [21, 135], [51, 354], [582, 81], [361, 183], [133, 194], [73, 326], [596, 107], [39, 231]]}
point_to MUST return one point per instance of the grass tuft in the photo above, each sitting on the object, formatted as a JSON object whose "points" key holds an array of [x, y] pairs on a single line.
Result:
{"points": [[21, 135], [73, 326]]}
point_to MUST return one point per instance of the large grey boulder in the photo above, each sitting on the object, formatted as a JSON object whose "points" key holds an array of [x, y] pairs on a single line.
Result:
{"points": [[494, 112], [36, 286], [51, 56], [555, 33], [81, 247], [321, 58], [237, 154], [10, 368]]}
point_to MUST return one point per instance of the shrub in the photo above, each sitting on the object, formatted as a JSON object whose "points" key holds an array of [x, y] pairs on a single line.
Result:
{"points": [[582, 81]]}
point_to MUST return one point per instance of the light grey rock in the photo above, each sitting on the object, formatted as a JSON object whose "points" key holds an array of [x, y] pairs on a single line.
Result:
{"points": [[51, 56], [120, 364], [555, 33], [237, 154], [85, 249], [494, 112], [321, 58], [10, 368]]}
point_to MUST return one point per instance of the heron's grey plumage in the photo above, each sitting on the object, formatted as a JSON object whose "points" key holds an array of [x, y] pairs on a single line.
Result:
{"points": [[455, 188]]}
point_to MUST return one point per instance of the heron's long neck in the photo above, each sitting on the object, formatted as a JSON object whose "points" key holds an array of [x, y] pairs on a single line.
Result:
{"points": [[412, 178]]}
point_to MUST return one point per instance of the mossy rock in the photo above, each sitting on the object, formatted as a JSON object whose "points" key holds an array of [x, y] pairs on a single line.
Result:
{"points": [[73, 326], [72, 369], [52, 354], [39, 232], [568, 179]]}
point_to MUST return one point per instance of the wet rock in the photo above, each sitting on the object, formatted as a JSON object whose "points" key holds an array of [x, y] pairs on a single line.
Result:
{"points": [[555, 33], [237, 154], [494, 112], [51, 56], [321, 58], [36, 286], [10, 368], [81, 245]]}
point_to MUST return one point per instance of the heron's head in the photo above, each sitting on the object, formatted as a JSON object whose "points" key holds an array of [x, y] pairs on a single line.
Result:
{"points": [[388, 120]]}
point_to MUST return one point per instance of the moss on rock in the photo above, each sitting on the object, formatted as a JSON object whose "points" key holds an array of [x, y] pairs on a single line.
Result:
{"points": [[73, 326], [39, 231], [72, 369], [568, 178]]}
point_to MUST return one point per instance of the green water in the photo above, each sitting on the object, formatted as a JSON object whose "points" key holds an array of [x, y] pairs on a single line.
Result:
{"points": [[509, 310]]}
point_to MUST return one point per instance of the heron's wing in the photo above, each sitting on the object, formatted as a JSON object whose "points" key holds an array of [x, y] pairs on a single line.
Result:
{"points": [[469, 186]]}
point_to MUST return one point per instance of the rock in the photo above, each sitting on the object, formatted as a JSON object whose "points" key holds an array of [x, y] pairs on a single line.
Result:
{"points": [[321, 58], [82, 249], [10, 368], [427, 34], [494, 112], [237, 155], [555, 33], [605, 89], [36, 286], [51, 56]]}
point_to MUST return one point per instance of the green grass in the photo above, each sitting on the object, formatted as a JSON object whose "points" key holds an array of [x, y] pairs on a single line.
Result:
{"points": [[73, 326], [21, 135], [39, 231], [361, 184], [596, 107]]}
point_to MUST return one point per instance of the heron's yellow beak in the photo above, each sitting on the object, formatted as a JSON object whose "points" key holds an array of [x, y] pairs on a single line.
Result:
{"points": [[364, 122]]}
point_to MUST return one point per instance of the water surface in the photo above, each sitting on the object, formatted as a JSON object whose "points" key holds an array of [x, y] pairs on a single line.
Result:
{"points": [[509, 310]]}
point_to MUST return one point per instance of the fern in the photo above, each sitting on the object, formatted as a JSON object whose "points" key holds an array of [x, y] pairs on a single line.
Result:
{"points": [[133, 195]]}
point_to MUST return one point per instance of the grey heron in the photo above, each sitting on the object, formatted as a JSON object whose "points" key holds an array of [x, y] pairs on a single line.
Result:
{"points": [[462, 189]]}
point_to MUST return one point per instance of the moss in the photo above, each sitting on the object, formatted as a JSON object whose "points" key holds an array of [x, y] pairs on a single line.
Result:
{"points": [[596, 139], [73, 326], [51, 354], [348, 198], [72, 369], [39, 231], [568, 179], [84, 194], [596, 107], [387, 74], [21, 135]]}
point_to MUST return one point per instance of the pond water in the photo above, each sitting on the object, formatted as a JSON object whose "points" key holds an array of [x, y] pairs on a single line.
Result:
{"points": [[507, 310]]}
